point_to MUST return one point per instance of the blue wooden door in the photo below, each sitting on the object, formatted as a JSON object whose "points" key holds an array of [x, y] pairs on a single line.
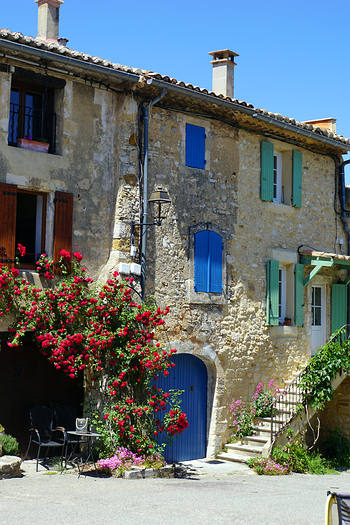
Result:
{"points": [[190, 375]]}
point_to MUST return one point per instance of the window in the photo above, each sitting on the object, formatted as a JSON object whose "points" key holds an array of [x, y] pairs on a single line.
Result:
{"points": [[284, 293], [316, 306], [32, 109], [281, 175], [195, 146], [31, 116], [208, 249], [23, 220]]}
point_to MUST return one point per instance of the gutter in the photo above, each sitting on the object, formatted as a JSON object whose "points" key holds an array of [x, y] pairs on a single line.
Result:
{"points": [[144, 223], [186, 92], [41, 54]]}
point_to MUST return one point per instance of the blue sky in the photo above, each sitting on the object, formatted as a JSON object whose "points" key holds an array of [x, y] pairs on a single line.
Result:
{"points": [[294, 56]]}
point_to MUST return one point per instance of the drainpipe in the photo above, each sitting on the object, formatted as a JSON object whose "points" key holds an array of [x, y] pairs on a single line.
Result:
{"points": [[345, 217], [145, 191]]}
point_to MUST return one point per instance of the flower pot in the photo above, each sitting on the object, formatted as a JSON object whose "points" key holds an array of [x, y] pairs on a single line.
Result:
{"points": [[33, 145]]}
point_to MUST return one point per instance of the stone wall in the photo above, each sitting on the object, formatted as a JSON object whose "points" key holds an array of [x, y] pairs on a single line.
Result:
{"points": [[229, 332], [86, 165], [98, 161]]}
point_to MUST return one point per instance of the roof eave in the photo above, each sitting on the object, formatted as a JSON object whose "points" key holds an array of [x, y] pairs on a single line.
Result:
{"points": [[76, 63]]}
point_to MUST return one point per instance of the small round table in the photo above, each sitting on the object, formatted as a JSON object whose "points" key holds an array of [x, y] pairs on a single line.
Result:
{"points": [[79, 458]]}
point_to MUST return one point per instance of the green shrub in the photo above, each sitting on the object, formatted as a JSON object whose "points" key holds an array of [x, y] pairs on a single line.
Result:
{"points": [[9, 444], [296, 455]]}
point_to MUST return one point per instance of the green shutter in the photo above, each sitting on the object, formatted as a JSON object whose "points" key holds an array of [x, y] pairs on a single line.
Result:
{"points": [[297, 178], [272, 294], [266, 181], [299, 295], [339, 306]]}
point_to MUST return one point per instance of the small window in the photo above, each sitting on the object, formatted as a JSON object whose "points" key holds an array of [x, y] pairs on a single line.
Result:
{"points": [[281, 175], [208, 248], [195, 146], [23, 221], [280, 294], [33, 101]]}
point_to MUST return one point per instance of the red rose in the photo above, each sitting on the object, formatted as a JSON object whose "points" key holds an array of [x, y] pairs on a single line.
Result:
{"points": [[78, 256], [21, 249], [65, 255]]}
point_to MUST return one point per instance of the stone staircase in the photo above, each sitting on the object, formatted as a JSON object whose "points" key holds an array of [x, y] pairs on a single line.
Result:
{"points": [[249, 446], [290, 412]]}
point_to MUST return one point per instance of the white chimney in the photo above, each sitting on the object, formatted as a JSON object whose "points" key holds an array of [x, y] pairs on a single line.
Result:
{"points": [[223, 64], [48, 19]]}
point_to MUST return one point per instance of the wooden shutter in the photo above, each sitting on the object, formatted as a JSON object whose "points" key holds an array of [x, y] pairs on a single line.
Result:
{"points": [[299, 295], [8, 210], [272, 295], [195, 146], [297, 178], [201, 263], [63, 223], [266, 181], [339, 306], [215, 262]]}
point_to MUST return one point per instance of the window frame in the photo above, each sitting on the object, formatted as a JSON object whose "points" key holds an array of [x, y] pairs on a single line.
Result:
{"points": [[25, 87]]}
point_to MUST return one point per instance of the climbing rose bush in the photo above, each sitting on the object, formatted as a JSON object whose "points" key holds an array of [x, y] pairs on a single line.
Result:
{"points": [[80, 326]]}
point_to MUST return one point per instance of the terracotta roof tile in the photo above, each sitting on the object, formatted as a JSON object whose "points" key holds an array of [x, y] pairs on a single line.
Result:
{"points": [[53, 47]]}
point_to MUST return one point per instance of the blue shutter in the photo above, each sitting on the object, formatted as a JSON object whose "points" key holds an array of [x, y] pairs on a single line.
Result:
{"points": [[215, 262], [201, 262], [195, 146]]}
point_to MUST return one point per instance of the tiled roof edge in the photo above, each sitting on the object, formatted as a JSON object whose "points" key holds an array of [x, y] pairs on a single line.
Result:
{"points": [[58, 49]]}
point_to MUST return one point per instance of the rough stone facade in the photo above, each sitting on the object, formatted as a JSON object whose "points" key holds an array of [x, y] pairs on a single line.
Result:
{"points": [[99, 160]]}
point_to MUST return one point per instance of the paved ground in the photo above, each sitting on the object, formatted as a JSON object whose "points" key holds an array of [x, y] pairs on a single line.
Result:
{"points": [[210, 492]]}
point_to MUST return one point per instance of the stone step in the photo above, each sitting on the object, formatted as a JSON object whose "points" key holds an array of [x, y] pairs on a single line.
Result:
{"points": [[267, 421], [244, 450], [260, 430], [255, 440], [227, 456]]}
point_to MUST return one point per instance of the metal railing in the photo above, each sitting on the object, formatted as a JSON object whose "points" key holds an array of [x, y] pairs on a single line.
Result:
{"points": [[33, 124], [289, 401]]}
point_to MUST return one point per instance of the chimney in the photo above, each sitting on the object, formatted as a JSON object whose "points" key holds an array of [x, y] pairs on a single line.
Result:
{"points": [[48, 19], [223, 64], [330, 124]]}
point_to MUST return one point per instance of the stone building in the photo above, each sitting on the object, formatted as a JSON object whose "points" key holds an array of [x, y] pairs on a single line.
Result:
{"points": [[250, 256]]}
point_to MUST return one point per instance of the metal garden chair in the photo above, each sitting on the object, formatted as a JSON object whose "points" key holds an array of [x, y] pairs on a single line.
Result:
{"points": [[337, 508], [42, 432]]}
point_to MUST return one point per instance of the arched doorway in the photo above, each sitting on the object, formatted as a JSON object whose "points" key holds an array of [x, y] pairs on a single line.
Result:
{"points": [[190, 375]]}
